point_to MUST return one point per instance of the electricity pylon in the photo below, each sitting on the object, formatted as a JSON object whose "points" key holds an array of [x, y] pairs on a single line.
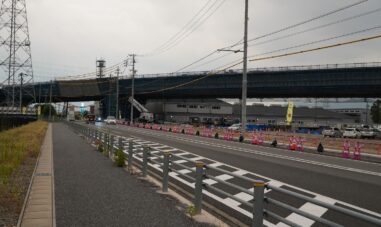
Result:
{"points": [[15, 53]]}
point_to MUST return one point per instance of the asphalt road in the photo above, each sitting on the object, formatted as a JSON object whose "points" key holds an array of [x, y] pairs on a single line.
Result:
{"points": [[354, 182], [90, 191]]}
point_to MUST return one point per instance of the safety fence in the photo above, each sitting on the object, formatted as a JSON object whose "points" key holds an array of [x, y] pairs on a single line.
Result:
{"points": [[350, 148], [141, 154]]}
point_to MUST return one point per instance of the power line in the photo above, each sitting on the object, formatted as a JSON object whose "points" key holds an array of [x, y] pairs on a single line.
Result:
{"points": [[318, 27], [276, 32], [197, 61], [200, 21], [183, 28], [318, 48], [319, 41], [308, 21]]}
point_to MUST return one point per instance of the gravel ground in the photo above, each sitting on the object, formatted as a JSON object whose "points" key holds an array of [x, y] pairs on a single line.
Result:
{"points": [[90, 191]]}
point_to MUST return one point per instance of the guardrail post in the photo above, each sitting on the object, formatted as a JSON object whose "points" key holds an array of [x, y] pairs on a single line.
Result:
{"points": [[166, 170], [198, 187], [111, 151], [120, 143], [130, 152], [145, 160], [259, 191]]}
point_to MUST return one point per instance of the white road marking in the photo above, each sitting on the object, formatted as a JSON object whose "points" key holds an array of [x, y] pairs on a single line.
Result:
{"points": [[244, 196], [245, 150], [271, 182], [210, 181], [241, 172], [197, 158], [180, 161], [184, 171], [224, 177]]}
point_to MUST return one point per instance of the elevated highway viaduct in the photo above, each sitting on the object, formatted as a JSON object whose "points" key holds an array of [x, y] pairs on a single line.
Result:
{"points": [[328, 81]]}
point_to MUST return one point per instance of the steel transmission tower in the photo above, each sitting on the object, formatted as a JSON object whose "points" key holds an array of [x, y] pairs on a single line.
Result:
{"points": [[15, 53]]}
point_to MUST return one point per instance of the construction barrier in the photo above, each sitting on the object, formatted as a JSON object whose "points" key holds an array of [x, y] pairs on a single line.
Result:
{"points": [[189, 131], [357, 151], [257, 139], [228, 135], [206, 132], [292, 144], [346, 149], [300, 143]]}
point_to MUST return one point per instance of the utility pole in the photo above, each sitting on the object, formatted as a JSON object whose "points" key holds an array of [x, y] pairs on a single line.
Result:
{"points": [[21, 82], [244, 74], [15, 50], [132, 88], [109, 98], [117, 93], [366, 111], [50, 101]]}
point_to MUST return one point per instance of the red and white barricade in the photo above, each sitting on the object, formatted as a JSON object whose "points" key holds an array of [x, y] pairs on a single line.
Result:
{"points": [[300, 143], [156, 127], [141, 125], [164, 128], [346, 149], [189, 130], [228, 135], [292, 144], [147, 126], [206, 132], [357, 151], [257, 139], [176, 129]]}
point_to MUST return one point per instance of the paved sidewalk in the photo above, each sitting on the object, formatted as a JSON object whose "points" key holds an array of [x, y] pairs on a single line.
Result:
{"points": [[39, 208], [90, 191]]}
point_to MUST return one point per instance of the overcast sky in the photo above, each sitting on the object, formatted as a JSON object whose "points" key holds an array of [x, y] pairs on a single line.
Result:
{"points": [[68, 36]]}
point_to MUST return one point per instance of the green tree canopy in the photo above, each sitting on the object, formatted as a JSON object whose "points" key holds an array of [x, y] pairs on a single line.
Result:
{"points": [[375, 111], [45, 110]]}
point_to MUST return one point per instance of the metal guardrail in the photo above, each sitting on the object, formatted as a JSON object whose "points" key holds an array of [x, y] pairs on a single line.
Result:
{"points": [[263, 69], [136, 151], [17, 110]]}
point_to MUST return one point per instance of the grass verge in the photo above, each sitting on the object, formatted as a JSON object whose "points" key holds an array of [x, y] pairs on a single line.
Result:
{"points": [[19, 149]]}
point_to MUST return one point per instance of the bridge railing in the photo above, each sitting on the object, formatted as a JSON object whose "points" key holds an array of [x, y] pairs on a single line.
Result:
{"points": [[262, 69], [144, 156]]}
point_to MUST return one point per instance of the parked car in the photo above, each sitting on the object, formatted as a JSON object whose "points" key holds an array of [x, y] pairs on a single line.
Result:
{"points": [[332, 132], [370, 133], [352, 133], [235, 127], [110, 120]]}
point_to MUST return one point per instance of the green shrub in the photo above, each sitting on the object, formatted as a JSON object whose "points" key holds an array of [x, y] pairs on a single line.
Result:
{"points": [[100, 147], [120, 158], [216, 135], [105, 151], [191, 210]]}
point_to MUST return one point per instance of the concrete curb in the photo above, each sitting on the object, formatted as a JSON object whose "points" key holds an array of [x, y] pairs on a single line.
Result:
{"points": [[39, 207]]}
